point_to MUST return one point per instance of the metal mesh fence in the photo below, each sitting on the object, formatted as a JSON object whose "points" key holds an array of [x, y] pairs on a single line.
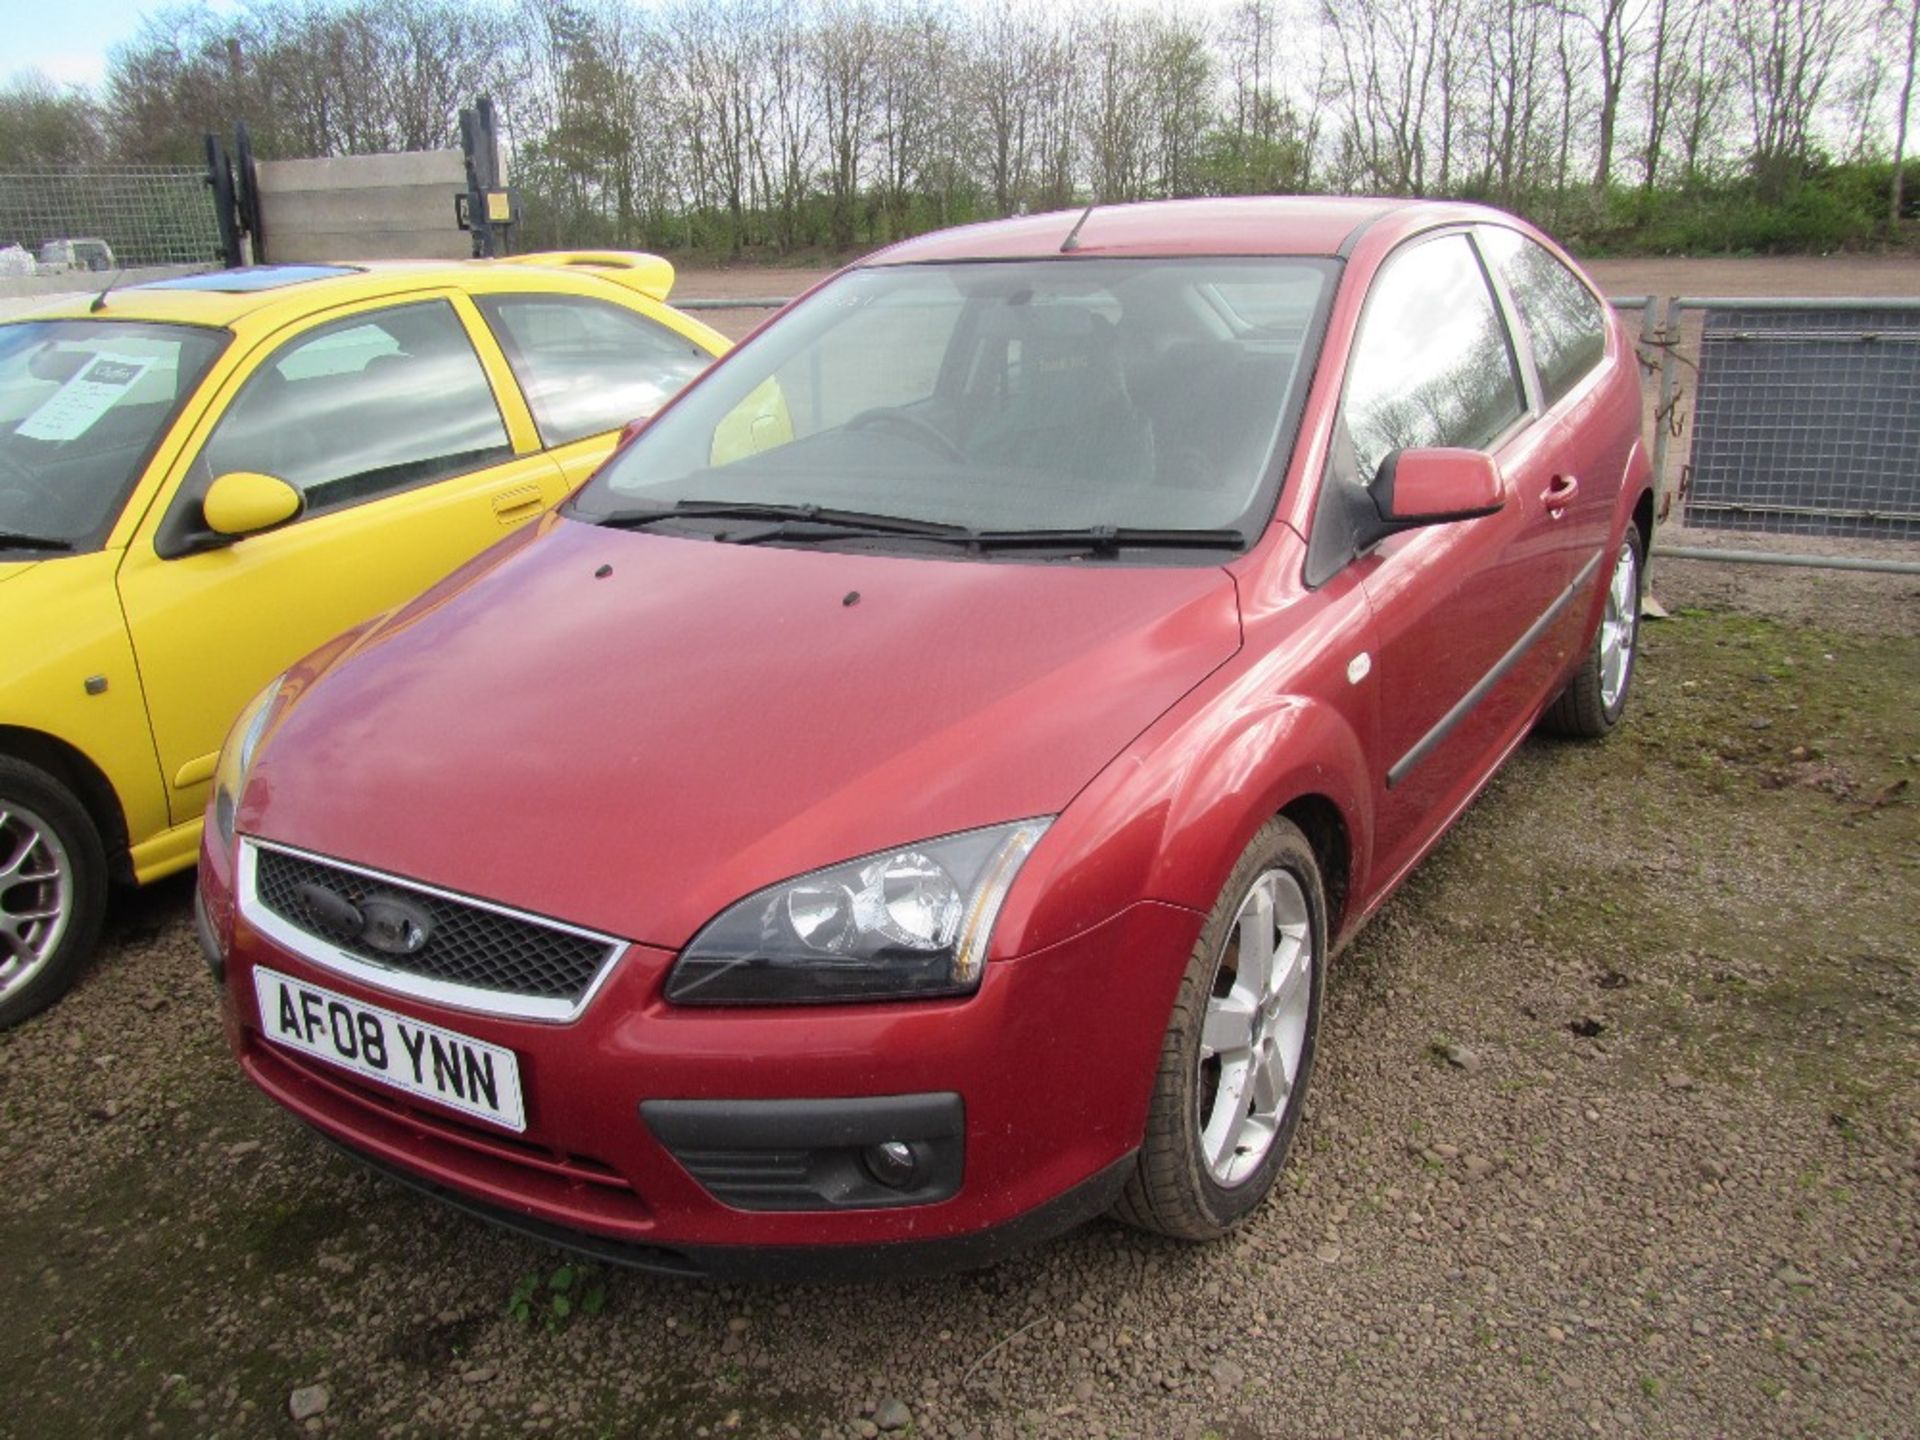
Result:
{"points": [[148, 215], [1807, 422]]}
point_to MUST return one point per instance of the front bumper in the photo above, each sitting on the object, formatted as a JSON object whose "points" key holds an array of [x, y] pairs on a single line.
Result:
{"points": [[1049, 1067], [209, 943], [801, 1264]]}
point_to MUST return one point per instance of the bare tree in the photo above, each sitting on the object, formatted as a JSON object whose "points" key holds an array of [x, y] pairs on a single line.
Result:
{"points": [[1612, 24], [1787, 50], [1516, 34], [1249, 42], [915, 50], [1566, 73], [1116, 118], [1674, 24], [846, 59], [1905, 110], [431, 60], [1173, 54], [1009, 57], [788, 141], [1264, 138], [1384, 54], [1703, 96], [734, 124], [716, 54]]}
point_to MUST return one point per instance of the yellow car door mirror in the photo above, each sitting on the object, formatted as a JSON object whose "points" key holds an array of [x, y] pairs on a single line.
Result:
{"points": [[242, 502]]}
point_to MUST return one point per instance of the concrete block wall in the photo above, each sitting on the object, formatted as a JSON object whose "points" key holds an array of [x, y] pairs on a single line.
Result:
{"points": [[364, 207]]}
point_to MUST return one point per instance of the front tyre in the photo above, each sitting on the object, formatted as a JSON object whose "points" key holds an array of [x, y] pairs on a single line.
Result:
{"points": [[1592, 705], [53, 889], [1238, 1049]]}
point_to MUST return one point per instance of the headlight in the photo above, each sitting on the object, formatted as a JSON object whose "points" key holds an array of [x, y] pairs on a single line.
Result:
{"points": [[236, 759], [905, 923]]}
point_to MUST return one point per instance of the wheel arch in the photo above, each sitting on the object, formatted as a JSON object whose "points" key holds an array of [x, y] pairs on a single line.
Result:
{"points": [[1297, 758], [1169, 820], [1321, 820], [88, 782], [1636, 502], [1633, 509]]}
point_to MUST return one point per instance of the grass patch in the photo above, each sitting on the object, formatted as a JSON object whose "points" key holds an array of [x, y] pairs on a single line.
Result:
{"points": [[1744, 895]]}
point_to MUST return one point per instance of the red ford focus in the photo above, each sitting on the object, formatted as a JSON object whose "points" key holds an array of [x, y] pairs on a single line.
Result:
{"points": [[905, 804]]}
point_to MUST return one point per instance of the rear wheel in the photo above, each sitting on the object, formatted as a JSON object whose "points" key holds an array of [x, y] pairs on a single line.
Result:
{"points": [[53, 889], [1593, 704], [1238, 1049]]}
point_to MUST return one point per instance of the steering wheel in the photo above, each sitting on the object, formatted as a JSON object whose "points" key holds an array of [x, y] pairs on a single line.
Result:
{"points": [[892, 417]]}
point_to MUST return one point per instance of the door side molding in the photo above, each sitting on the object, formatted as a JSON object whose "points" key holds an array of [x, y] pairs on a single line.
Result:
{"points": [[1463, 707]]}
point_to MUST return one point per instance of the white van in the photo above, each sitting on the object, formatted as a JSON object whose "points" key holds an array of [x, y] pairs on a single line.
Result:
{"points": [[88, 254]]}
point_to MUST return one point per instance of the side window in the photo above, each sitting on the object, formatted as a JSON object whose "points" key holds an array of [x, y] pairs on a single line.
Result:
{"points": [[588, 366], [1564, 321], [1431, 365], [362, 407]]}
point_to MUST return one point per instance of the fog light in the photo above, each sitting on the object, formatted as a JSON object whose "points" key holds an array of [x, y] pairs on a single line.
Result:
{"points": [[892, 1163]]}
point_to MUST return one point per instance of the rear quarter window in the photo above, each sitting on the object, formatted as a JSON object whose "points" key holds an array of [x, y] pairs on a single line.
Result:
{"points": [[588, 366]]}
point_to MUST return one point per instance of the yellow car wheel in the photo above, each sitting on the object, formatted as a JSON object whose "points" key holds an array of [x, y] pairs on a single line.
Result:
{"points": [[53, 889]]}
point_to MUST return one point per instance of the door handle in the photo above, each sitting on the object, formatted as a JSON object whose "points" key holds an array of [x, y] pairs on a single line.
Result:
{"points": [[1560, 490], [522, 502]]}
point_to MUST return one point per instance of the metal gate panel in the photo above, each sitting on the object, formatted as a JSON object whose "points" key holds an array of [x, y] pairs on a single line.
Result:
{"points": [[1807, 421], [148, 215]]}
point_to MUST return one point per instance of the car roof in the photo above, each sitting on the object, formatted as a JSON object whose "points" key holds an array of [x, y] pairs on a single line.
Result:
{"points": [[1304, 225], [225, 298]]}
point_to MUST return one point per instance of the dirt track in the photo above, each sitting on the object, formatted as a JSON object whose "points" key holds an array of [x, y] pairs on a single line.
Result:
{"points": [[1790, 275]]}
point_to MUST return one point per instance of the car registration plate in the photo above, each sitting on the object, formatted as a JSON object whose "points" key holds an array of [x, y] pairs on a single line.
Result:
{"points": [[444, 1066]]}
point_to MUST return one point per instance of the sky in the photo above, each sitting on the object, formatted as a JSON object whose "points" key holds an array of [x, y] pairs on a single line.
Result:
{"points": [[68, 42]]}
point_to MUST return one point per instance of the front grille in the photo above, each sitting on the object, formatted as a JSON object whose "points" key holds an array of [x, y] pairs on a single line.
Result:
{"points": [[466, 944]]}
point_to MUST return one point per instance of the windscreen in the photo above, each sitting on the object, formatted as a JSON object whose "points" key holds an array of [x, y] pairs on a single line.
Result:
{"points": [[82, 405], [1000, 396]]}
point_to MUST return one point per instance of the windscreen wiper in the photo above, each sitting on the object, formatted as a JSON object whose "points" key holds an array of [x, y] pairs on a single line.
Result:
{"points": [[801, 532], [1095, 540], [838, 520], [15, 540], [1110, 539], [814, 522]]}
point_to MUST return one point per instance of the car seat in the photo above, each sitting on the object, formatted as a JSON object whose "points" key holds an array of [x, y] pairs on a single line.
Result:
{"points": [[1065, 408]]}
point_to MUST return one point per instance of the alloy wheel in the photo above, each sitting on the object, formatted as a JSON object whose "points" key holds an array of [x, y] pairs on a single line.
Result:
{"points": [[36, 896], [1255, 1030], [1618, 627]]}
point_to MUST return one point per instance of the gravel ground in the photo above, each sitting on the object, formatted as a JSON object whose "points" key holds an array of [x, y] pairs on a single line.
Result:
{"points": [[1667, 1184], [1861, 602]]}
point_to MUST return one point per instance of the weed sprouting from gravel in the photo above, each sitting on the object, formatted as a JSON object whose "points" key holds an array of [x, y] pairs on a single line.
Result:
{"points": [[555, 1297]]}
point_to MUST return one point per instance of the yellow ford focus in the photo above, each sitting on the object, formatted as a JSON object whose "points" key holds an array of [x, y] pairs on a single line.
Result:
{"points": [[201, 479]]}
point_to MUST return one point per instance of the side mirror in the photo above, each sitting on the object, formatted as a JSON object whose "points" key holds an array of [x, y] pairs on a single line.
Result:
{"points": [[1433, 487], [242, 502], [631, 429]]}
